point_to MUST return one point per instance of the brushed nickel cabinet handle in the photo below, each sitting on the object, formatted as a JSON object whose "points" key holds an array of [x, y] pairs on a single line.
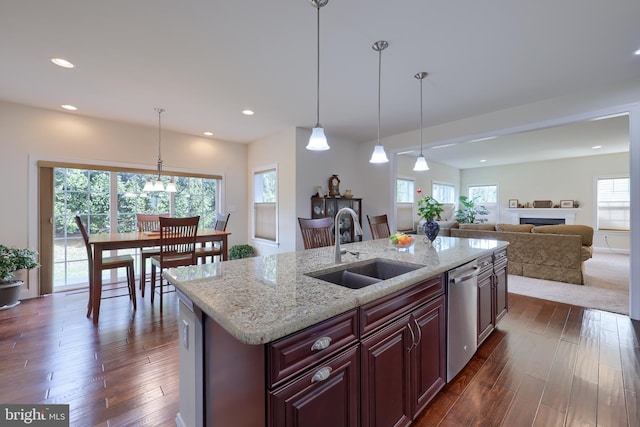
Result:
{"points": [[321, 375], [321, 343]]}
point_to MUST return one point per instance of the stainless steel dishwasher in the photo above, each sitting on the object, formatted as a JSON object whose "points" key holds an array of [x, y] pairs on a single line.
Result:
{"points": [[462, 317]]}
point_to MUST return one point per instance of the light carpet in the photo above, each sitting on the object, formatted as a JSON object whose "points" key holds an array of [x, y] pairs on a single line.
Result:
{"points": [[606, 287]]}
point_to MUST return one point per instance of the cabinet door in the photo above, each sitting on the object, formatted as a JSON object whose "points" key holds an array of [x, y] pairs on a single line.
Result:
{"points": [[326, 396], [386, 368], [428, 359], [501, 298], [317, 207], [485, 305]]}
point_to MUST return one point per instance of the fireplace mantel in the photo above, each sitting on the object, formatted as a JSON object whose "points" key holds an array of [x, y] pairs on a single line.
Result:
{"points": [[568, 214]]}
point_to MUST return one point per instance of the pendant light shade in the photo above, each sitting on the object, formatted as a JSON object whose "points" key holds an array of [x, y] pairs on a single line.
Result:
{"points": [[421, 162], [379, 155], [158, 185], [318, 140]]}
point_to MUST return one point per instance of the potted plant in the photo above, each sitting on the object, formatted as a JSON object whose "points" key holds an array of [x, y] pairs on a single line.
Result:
{"points": [[241, 251], [12, 260], [468, 211], [430, 209]]}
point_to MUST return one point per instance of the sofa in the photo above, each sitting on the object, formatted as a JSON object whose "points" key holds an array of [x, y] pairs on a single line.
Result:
{"points": [[550, 252]]}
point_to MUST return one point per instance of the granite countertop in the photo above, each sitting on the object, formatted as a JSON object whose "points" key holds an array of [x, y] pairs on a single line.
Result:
{"points": [[261, 299]]}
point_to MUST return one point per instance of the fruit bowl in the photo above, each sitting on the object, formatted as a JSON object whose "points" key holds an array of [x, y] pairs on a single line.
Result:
{"points": [[401, 241]]}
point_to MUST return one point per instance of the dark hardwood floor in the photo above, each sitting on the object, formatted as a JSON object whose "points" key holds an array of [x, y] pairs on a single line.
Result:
{"points": [[548, 364]]}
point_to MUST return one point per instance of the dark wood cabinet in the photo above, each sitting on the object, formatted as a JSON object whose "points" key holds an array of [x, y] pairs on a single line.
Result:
{"points": [[322, 207], [492, 293], [428, 361], [326, 396], [404, 361]]}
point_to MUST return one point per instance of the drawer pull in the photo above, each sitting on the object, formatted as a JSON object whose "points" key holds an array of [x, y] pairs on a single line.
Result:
{"points": [[321, 343], [413, 337], [321, 375]]}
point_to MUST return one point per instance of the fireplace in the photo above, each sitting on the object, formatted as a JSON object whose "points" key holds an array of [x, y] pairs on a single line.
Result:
{"points": [[542, 221], [543, 215]]}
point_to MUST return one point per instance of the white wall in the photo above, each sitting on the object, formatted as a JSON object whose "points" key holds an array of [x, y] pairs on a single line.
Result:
{"points": [[280, 150], [29, 134], [554, 180], [315, 167]]}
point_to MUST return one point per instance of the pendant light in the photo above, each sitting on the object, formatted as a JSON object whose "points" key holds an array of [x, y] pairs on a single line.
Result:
{"points": [[379, 155], [318, 141], [421, 162], [158, 186]]}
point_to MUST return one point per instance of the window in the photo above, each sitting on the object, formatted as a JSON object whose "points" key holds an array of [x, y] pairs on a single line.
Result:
{"points": [[103, 198], [486, 195], [405, 198], [265, 198], [613, 204], [444, 193]]}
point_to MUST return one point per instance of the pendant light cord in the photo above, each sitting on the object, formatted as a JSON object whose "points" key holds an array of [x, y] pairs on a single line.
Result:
{"points": [[379, 79], [318, 72], [421, 117], [160, 111]]}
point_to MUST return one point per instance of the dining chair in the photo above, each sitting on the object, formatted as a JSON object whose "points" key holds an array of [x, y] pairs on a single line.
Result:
{"points": [[379, 226], [108, 263], [215, 250], [147, 223], [316, 233], [177, 247]]}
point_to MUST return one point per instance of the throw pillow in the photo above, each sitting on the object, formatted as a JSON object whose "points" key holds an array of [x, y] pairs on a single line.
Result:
{"points": [[517, 228]]}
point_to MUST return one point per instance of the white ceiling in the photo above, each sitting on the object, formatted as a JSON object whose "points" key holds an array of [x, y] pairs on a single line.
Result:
{"points": [[205, 61]]}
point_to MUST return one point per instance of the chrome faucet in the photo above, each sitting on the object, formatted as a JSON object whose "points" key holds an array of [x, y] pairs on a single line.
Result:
{"points": [[336, 227]]}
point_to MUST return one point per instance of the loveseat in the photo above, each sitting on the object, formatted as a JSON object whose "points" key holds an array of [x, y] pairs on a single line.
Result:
{"points": [[550, 252]]}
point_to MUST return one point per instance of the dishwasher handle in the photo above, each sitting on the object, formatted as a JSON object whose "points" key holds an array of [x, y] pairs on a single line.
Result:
{"points": [[459, 279]]}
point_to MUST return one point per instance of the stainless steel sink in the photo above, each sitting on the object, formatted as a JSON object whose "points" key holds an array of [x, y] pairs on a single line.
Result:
{"points": [[359, 276]]}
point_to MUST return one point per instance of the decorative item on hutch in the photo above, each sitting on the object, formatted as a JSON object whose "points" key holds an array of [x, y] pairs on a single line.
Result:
{"points": [[334, 186]]}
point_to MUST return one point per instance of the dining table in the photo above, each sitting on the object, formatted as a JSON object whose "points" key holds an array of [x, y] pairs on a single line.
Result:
{"points": [[136, 239]]}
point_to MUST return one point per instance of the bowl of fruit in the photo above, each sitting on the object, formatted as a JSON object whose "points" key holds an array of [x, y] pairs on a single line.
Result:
{"points": [[401, 241]]}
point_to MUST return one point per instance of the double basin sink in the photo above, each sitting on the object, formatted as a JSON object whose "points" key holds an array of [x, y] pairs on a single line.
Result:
{"points": [[362, 275]]}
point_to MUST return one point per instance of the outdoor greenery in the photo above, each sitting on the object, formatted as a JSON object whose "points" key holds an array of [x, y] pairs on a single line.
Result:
{"points": [[241, 251], [468, 211], [13, 259], [429, 208]]}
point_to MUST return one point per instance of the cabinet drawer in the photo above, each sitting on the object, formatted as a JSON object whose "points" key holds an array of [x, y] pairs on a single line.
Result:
{"points": [[377, 313], [500, 256], [305, 348], [485, 263]]}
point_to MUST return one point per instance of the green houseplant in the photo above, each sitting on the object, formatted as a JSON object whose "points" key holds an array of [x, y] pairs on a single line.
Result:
{"points": [[430, 210], [12, 260], [241, 251], [468, 211]]}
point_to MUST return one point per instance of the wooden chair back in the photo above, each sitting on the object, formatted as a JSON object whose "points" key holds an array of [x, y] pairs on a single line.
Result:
{"points": [[178, 241], [379, 226], [147, 222], [221, 221], [316, 233], [85, 237]]}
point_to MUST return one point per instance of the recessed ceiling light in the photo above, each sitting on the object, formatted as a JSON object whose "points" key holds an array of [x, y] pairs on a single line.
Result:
{"points": [[595, 147], [62, 62], [637, 52], [69, 107], [247, 112], [208, 133], [482, 161]]}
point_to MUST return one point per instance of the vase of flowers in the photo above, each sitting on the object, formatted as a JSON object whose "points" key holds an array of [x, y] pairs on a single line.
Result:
{"points": [[430, 209], [12, 260]]}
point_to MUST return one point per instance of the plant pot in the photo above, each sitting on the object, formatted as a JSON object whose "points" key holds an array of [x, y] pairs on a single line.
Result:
{"points": [[431, 229], [9, 293]]}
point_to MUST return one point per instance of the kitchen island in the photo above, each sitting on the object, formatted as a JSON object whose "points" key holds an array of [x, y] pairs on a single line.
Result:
{"points": [[263, 342]]}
